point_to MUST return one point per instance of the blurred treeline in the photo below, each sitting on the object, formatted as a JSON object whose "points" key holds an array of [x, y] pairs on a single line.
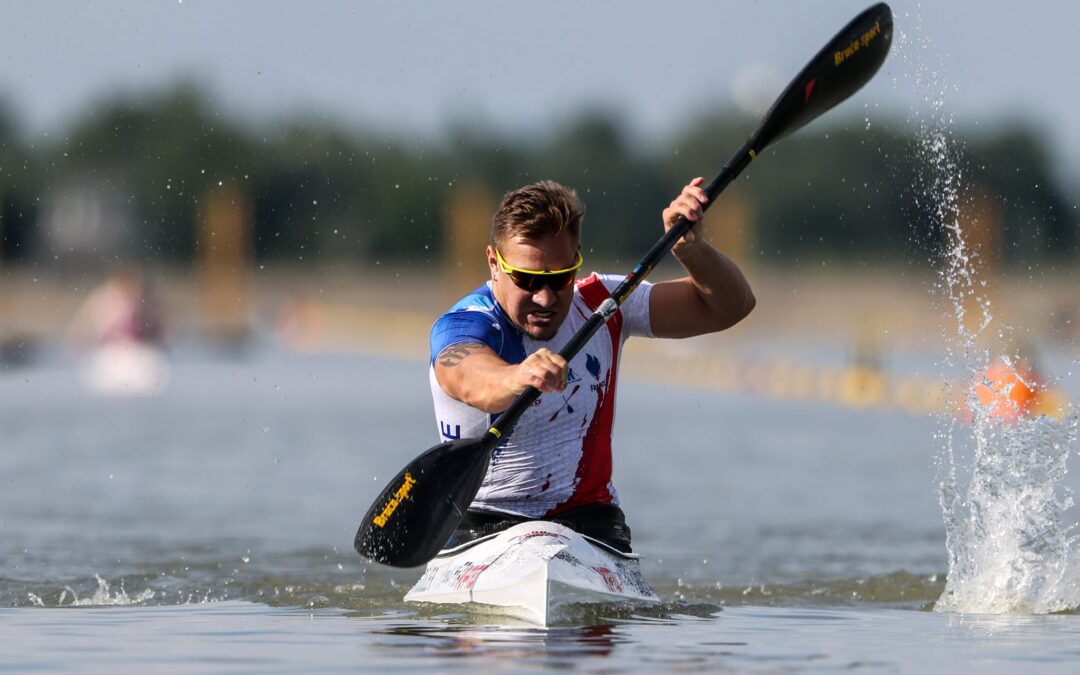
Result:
{"points": [[320, 189]]}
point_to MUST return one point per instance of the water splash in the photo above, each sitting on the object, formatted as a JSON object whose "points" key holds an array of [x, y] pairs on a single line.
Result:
{"points": [[102, 596], [1001, 476], [1010, 549]]}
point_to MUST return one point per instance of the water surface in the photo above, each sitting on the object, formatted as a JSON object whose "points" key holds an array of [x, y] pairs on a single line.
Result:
{"points": [[210, 528]]}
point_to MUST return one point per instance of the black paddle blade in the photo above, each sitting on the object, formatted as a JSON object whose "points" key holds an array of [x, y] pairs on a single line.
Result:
{"points": [[840, 69], [414, 516]]}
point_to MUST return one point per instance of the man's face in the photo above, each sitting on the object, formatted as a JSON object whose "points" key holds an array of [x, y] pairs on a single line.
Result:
{"points": [[537, 313]]}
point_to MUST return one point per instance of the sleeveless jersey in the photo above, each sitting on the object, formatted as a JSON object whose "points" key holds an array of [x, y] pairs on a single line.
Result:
{"points": [[559, 454]]}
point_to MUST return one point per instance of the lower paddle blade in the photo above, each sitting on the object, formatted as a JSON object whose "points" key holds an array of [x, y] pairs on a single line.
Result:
{"points": [[414, 516]]}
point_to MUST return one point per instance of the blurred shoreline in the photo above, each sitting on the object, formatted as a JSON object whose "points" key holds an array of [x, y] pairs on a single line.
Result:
{"points": [[867, 338], [824, 305]]}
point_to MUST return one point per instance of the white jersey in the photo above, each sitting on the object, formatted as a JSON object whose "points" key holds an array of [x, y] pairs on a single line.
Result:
{"points": [[559, 454]]}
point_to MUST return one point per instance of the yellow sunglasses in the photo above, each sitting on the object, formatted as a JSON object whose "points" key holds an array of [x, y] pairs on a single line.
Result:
{"points": [[534, 280]]}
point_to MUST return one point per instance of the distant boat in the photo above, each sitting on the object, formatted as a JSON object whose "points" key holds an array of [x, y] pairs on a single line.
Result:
{"points": [[126, 368]]}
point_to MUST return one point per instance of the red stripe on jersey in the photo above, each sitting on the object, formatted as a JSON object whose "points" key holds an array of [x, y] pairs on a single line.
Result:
{"points": [[594, 469]]}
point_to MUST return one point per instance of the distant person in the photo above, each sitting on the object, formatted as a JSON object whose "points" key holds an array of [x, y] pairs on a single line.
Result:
{"points": [[120, 328], [123, 309], [505, 336]]}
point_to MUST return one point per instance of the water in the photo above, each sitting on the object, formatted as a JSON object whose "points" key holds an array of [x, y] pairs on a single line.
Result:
{"points": [[1006, 504], [239, 637], [210, 529]]}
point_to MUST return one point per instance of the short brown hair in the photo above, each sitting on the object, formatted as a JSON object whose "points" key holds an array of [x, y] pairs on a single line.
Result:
{"points": [[537, 211]]}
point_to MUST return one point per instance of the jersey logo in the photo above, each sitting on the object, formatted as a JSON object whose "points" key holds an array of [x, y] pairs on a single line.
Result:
{"points": [[444, 429], [592, 364], [566, 403]]}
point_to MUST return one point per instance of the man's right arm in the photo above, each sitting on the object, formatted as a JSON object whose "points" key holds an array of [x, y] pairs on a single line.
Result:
{"points": [[473, 373]]}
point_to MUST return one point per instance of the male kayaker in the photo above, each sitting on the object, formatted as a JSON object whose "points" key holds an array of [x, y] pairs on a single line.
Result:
{"points": [[506, 335]]}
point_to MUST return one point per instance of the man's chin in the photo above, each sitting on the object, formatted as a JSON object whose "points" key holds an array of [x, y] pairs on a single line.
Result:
{"points": [[541, 331]]}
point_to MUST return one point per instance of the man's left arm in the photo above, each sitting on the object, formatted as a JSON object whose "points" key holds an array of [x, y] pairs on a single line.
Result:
{"points": [[714, 296]]}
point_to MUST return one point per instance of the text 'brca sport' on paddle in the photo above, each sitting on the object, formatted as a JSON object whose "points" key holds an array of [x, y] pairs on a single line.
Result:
{"points": [[415, 514]]}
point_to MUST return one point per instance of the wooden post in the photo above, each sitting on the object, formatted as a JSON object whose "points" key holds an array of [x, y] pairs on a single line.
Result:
{"points": [[5, 281], [981, 227], [729, 226], [466, 231], [225, 255]]}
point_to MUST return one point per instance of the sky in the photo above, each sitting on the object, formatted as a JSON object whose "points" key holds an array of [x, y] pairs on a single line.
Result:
{"points": [[415, 67]]}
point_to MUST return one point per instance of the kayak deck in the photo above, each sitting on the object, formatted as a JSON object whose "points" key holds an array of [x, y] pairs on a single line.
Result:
{"points": [[533, 571]]}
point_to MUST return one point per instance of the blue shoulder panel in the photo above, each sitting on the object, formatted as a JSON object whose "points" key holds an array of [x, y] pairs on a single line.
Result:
{"points": [[478, 318]]}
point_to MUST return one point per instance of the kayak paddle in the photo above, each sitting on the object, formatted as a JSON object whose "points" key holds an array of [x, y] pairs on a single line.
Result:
{"points": [[415, 514]]}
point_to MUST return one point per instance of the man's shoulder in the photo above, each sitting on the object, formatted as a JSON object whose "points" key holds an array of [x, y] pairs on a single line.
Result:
{"points": [[598, 280], [477, 318], [599, 286], [472, 318], [478, 300], [596, 288], [591, 290]]}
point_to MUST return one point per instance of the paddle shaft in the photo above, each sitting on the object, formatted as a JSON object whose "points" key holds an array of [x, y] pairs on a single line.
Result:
{"points": [[416, 513]]}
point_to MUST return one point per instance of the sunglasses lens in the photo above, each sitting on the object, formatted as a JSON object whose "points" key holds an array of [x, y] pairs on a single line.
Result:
{"points": [[534, 282], [526, 281], [559, 282]]}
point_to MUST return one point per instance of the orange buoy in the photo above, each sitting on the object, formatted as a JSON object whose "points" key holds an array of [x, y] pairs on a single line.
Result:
{"points": [[1007, 393]]}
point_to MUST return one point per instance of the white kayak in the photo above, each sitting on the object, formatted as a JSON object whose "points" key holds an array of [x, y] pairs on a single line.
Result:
{"points": [[534, 571]]}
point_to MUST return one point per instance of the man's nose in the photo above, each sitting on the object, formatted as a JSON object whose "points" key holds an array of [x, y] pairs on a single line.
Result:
{"points": [[544, 297]]}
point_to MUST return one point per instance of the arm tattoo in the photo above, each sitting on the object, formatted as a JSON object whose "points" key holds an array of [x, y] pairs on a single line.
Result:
{"points": [[454, 354]]}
